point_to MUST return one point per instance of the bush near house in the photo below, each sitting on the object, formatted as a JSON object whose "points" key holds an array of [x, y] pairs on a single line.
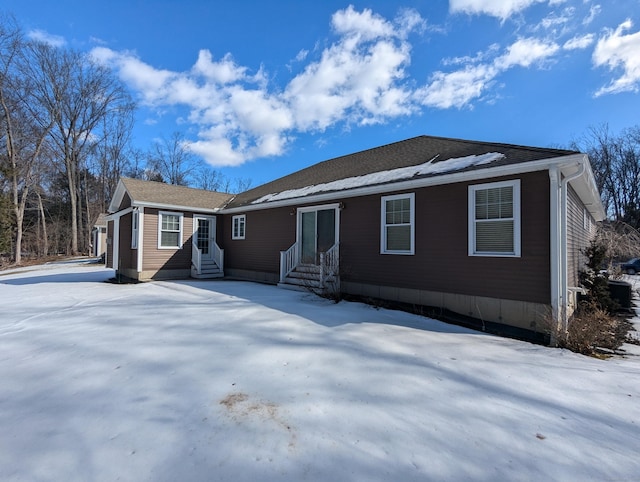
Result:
{"points": [[596, 327]]}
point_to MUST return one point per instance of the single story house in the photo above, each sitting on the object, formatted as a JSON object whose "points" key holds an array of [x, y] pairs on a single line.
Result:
{"points": [[162, 231], [490, 231]]}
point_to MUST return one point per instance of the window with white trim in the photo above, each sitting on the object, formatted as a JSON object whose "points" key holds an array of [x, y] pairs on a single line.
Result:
{"points": [[135, 221], [397, 224], [494, 219], [238, 226], [169, 230]]}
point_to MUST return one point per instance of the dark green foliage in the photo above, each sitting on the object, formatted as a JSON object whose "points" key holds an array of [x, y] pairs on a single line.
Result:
{"points": [[595, 280]]}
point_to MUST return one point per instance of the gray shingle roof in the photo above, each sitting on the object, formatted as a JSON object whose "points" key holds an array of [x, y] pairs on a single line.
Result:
{"points": [[101, 221], [410, 152], [158, 193]]}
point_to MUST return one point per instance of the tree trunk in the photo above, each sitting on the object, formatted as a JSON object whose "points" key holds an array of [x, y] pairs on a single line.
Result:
{"points": [[45, 239], [18, 245], [73, 199]]}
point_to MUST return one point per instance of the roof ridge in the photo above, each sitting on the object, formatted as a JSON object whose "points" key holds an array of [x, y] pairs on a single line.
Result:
{"points": [[171, 186], [501, 144]]}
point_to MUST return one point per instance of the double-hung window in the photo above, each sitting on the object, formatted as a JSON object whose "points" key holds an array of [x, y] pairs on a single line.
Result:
{"points": [[398, 224], [239, 223], [169, 230], [494, 219]]}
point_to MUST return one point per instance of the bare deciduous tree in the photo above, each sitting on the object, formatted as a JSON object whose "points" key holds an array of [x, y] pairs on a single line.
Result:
{"points": [[78, 95], [616, 164], [25, 128], [173, 161]]}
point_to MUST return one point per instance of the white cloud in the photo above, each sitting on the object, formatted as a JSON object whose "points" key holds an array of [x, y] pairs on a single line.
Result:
{"points": [[459, 88], [594, 11], [579, 42], [360, 78], [502, 9], [526, 52], [619, 51], [47, 38], [357, 79], [366, 25], [353, 79], [225, 71]]}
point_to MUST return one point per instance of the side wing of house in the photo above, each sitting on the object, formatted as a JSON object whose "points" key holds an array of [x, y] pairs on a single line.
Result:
{"points": [[162, 231], [160, 243]]}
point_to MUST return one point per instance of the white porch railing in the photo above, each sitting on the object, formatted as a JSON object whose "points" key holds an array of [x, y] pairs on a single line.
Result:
{"points": [[329, 265], [288, 261], [218, 256], [196, 259]]}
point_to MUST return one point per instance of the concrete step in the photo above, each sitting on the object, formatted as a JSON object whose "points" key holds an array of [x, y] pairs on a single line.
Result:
{"points": [[302, 282], [307, 268], [217, 274], [304, 275]]}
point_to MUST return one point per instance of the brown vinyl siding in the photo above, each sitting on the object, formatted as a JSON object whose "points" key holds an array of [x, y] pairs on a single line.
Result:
{"points": [[127, 257], [441, 261], [109, 255], [157, 259], [126, 202], [578, 236], [267, 232]]}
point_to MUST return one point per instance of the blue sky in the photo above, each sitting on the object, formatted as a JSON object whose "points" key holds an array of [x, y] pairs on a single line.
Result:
{"points": [[261, 89]]}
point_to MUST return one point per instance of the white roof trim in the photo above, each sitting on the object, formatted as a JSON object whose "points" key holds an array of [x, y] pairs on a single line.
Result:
{"points": [[118, 214], [490, 172], [118, 195], [175, 206]]}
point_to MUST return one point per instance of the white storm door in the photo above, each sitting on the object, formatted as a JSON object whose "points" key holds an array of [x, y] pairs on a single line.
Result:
{"points": [[205, 236]]}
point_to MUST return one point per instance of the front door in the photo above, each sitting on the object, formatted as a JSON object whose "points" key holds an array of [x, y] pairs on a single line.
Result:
{"points": [[204, 236], [317, 233]]}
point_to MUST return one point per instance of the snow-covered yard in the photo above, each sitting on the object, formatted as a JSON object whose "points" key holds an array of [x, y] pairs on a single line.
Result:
{"points": [[222, 380]]}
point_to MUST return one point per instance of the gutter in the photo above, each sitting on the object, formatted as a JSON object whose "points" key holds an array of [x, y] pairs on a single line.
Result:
{"points": [[407, 184], [559, 255], [564, 274]]}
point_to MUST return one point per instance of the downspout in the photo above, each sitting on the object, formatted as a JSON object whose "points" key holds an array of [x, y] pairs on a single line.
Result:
{"points": [[556, 292], [564, 274], [140, 240]]}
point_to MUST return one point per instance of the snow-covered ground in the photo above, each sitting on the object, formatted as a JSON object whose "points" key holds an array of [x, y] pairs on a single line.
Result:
{"points": [[222, 380]]}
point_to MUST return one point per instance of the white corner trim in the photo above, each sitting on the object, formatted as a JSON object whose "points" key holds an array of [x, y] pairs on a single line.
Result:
{"points": [[140, 239]]}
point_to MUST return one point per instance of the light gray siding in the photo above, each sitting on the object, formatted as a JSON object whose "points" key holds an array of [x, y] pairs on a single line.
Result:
{"points": [[580, 230]]}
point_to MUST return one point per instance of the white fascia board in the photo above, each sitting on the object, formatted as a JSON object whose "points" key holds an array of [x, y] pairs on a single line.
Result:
{"points": [[118, 195], [174, 207], [118, 214], [585, 188], [533, 166]]}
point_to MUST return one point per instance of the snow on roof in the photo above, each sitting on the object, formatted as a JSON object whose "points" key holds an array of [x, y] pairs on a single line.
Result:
{"points": [[453, 164]]}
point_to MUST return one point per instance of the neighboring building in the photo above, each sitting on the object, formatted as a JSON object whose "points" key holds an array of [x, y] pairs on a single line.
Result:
{"points": [[486, 230], [99, 236], [161, 231]]}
